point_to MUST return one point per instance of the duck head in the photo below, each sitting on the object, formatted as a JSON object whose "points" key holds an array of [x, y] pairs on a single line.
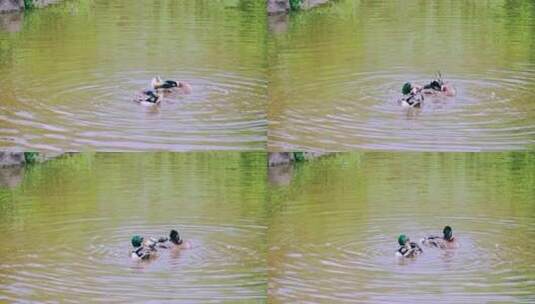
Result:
{"points": [[137, 241], [403, 239], [448, 233], [175, 237], [436, 85], [407, 88]]}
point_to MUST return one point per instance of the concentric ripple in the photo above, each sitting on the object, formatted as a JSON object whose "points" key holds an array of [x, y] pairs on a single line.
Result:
{"points": [[360, 111], [335, 229], [336, 73], [78, 93], [101, 115], [345, 268], [221, 264], [66, 229]]}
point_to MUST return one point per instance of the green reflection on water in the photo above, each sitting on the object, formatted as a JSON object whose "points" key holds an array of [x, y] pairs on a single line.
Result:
{"points": [[336, 71], [101, 32], [334, 223], [69, 72], [70, 220], [328, 224]]}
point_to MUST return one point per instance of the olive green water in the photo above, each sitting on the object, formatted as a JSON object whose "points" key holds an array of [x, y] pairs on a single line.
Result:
{"points": [[320, 231], [336, 72], [65, 228], [68, 74], [333, 228]]}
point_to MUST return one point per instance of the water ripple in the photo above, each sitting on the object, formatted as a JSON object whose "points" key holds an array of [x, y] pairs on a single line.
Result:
{"points": [[344, 111], [346, 266], [222, 113], [224, 267]]}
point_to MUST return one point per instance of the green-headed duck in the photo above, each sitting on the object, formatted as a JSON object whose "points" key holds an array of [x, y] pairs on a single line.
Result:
{"points": [[407, 248], [412, 97], [142, 250], [447, 241]]}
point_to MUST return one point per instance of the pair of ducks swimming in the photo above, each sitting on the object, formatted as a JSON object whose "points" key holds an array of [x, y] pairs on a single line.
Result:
{"points": [[160, 89], [410, 249], [413, 95], [148, 249]]}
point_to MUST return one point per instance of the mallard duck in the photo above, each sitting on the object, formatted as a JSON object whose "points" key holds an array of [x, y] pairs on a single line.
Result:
{"points": [[148, 98], [407, 248], [170, 86], [413, 100], [173, 241], [439, 86], [412, 97], [444, 242], [142, 250]]}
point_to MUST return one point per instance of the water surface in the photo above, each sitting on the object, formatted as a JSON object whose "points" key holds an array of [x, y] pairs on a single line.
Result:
{"points": [[336, 72], [334, 223], [66, 226], [68, 74]]}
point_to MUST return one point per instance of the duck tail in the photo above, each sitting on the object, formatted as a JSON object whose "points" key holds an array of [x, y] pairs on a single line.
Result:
{"points": [[439, 76], [156, 81]]}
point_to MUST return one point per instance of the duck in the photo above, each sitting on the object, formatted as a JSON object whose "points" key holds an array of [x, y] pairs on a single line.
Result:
{"points": [[439, 86], [412, 100], [173, 241], [447, 241], [142, 250], [170, 86], [407, 248], [148, 98], [178, 242], [413, 95]]}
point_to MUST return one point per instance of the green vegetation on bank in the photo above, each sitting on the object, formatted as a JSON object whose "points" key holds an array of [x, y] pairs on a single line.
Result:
{"points": [[295, 4], [166, 176], [299, 156], [30, 157], [68, 20], [28, 4]]}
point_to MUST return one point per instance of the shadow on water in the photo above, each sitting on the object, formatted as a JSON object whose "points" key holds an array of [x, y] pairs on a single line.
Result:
{"points": [[11, 177], [11, 22]]}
